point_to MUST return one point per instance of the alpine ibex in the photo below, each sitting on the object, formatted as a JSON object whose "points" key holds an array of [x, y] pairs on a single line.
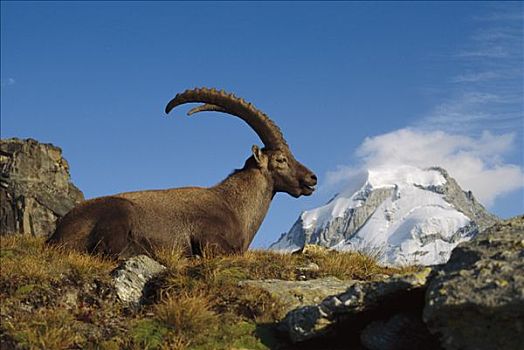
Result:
{"points": [[224, 218]]}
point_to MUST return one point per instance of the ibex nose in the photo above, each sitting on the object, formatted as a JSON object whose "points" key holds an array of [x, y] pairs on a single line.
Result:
{"points": [[313, 179]]}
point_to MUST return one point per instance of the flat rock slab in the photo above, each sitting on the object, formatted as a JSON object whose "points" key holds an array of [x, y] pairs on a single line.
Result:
{"points": [[476, 301], [293, 294], [131, 276], [360, 303]]}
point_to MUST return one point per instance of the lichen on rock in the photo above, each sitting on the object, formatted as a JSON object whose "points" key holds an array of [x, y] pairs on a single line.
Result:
{"points": [[355, 305], [476, 301], [293, 294]]}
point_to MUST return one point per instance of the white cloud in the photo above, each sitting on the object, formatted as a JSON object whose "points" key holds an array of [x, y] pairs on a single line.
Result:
{"points": [[475, 77], [473, 111], [476, 163], [492, 52], [485, 93]]}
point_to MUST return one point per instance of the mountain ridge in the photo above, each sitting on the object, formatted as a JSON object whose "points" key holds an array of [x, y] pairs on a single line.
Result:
{"points": [[412, 215]]}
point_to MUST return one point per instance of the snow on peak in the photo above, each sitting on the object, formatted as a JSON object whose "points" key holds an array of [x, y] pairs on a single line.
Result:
{"points": [[402, 211], [385, 177], [404, 175]]}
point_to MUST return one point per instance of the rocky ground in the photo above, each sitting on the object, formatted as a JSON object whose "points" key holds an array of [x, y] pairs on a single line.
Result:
{"points": [[475, 301], [316, 299], [313, 299], [55, 299]]}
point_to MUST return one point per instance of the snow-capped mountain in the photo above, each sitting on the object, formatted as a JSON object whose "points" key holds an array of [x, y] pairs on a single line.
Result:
{"points": [[406, 214]]}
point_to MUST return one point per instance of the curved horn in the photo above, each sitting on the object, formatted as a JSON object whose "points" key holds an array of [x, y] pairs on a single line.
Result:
{"points": [[221, 101], [206, 108]]}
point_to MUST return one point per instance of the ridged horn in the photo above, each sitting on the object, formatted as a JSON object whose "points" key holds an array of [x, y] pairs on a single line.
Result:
{"points": [[206, 107], [220, 101]]}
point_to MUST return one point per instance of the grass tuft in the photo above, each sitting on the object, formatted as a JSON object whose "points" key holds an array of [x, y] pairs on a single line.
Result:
{"points": [[188, 316]]}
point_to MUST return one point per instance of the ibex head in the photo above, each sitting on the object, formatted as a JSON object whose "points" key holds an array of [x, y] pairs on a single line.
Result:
{"points": [[288, 174], [276, 159]]}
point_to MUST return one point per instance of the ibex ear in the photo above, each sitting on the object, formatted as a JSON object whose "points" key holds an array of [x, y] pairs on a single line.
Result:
{"points": [[258, 155]]}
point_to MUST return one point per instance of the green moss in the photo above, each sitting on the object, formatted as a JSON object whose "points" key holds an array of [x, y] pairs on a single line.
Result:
{"points": [[148, 333], [244, 336], [24, 290], [239, 335], [232, 274]]}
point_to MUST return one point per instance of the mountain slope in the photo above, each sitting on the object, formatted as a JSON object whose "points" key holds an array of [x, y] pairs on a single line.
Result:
{"points": [[407, 214]]}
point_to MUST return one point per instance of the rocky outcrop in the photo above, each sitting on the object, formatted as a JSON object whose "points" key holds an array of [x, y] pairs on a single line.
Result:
{"points": [[476, 301], [465, 202], [35, 187], [131, 277], [356, 307]]}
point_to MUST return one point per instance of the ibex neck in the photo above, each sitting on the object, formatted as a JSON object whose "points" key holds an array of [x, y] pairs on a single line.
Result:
{"points": [[248, 192]]}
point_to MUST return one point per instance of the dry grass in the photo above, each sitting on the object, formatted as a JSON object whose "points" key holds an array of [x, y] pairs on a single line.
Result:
{"points": [[57, 299], [350, 265], [35, 281], [41, 263], [188, 316], [45, 329]]}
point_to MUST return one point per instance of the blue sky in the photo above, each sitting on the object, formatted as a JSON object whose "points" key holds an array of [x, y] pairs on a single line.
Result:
{"points": [[346, 81]]}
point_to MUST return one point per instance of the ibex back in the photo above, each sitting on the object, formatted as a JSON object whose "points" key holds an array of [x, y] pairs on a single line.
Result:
{"points": [[223, 218]]}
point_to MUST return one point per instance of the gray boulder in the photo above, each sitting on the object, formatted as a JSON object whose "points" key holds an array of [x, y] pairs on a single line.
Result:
{"points": [[476, 301], [131, 277], [359, 305], [35, 187]]}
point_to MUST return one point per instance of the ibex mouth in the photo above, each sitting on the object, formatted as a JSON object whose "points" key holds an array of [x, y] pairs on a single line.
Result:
{"points": [[308, 190]]}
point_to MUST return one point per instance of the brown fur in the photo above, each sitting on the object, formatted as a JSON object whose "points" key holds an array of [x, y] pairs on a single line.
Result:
{"points": [[223, 218]]}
